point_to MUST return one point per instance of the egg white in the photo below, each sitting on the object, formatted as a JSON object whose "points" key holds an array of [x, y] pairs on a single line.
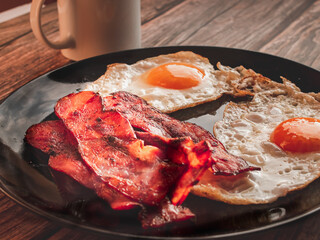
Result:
{"points": [[245, 131], [130, 78]]}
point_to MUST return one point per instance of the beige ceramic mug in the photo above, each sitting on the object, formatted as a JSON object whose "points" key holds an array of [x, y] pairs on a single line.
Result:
{"points": [[91, 27]]}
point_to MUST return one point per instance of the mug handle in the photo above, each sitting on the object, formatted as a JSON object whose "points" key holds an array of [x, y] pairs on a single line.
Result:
{"points": [[35, 21]]}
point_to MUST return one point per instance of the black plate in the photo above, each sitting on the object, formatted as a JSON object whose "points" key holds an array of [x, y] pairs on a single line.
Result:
{"points": [[25, 177]]}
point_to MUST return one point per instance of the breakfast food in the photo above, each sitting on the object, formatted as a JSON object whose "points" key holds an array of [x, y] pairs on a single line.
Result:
{"points": [[278, 131], [53, 138], [100, 150], [130, 157], [115, 139], [144, 117], [167, 82]]}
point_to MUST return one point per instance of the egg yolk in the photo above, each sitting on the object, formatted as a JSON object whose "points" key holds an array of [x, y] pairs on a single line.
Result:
{"points": [[175, 76], [298, 135]]}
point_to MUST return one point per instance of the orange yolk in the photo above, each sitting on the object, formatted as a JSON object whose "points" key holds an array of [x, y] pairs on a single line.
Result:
{"points": [[298, 135], [175, 76]]}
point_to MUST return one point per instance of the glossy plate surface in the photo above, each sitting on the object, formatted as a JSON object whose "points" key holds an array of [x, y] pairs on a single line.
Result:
{"points": [[25, 177]]}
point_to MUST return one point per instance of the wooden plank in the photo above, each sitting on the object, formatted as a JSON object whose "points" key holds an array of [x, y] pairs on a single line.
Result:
{"points": [[16, 76], [182, 21], [249, 24], [151, 10], [301, 40], [20, 26], [18, 223], [21, 51], [5, 203]]}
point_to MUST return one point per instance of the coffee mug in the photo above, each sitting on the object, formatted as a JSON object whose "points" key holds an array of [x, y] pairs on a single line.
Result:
{"points": [[91, 27]]}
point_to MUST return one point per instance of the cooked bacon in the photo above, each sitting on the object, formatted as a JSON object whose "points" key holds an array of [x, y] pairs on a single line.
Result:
{"points": [[107, 143], [157, 217], [96, 145], [53, 138], [146, 118], [184, 152]]}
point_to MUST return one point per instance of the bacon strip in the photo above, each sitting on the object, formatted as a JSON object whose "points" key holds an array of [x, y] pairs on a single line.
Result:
{"points": [[184, 152], [107, 144], [146, 118], [166, 213], [53, 138]]}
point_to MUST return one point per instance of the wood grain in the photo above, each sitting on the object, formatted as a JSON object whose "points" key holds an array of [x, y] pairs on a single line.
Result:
{"points": [[150, 10], [22, 56], [289, 29], [18, 27], [252, 25], [302, 46], [174, 31]]}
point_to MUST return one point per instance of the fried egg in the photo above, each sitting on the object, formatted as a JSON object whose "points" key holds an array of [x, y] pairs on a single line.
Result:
{"points": [[167, 82], [278, 131]]}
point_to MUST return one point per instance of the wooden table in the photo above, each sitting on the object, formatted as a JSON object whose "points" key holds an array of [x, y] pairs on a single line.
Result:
{"points": [[290, 29]]}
